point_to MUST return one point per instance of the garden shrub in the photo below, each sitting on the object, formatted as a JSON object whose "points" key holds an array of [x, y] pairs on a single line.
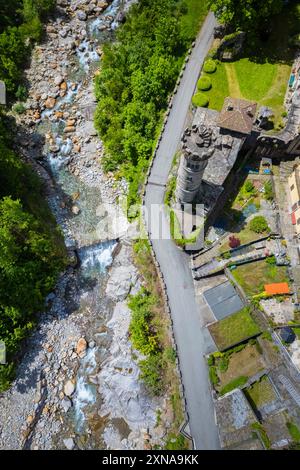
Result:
{"points": [[234, 242], [259, 224], [210, 66], [249, 186], [200, 99], [204, 83]]}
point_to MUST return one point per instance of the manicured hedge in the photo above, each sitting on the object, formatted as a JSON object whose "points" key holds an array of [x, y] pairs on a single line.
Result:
{"points": [[200, 99], [209, 66], [204, 83]]}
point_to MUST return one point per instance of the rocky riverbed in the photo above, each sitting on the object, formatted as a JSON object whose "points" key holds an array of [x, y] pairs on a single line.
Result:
{"points": [[77, 384]]}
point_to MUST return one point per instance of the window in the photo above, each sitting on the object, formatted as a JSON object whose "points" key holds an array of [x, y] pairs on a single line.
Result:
{"points": [[292, 187]]}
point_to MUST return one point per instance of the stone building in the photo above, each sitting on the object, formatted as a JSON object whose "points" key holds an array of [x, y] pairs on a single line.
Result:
{"points": [[210, 149], [196, 151], [284, 143]]}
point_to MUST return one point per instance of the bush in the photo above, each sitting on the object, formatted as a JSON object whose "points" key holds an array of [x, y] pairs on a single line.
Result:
{"points": [[271, 260], [19, 108], [142, 336], [259, 224], [235, 383], [7, 374], [223, 363], [22, 93], [151, 373], [204, 83], [234, 242], [210, 360], [249, 186], [269, 195], [201, 100], [210, 66], [213, 376]]}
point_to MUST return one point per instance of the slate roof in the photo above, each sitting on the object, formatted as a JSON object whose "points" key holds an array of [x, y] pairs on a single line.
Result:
{"points": [[237, 115], [223, 300]]}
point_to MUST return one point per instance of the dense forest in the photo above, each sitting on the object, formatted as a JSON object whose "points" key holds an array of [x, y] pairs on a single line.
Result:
{"points": [[138, 73], [31, 248]]}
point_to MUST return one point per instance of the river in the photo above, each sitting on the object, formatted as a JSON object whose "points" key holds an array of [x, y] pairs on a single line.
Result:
{"points": [[107, 406]]}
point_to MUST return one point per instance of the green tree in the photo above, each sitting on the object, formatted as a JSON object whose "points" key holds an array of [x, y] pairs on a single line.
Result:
{"points": [[246, 15], [12, 56]]}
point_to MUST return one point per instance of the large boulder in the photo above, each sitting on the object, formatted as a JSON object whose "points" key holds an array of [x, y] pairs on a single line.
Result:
{"points": [[81, 346], [122, 278], [81, 15], [69, 443], [50, 102], [69, 388]]}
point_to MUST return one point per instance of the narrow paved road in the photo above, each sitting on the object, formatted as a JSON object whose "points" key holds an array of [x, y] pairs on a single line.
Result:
{"points": [[191, 338]]}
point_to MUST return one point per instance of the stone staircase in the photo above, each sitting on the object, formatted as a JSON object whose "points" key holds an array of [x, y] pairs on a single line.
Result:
{"points": [[290, 388]]}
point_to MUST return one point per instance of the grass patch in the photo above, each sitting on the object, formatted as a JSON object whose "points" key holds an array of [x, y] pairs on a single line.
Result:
{"points": [[253, 277], [176, 442], [236, 383], [176, 234], [294, 431], [262, 433], [260, 393], [234, 329], [243, 360]]}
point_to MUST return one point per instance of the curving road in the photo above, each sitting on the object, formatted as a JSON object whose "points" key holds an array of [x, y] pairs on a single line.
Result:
{"points": [[191, 337]]}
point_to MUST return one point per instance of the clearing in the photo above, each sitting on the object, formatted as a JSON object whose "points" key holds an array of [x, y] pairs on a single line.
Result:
{"points": [[260, 393], [246, 362], [253, 276], [234, 329]]}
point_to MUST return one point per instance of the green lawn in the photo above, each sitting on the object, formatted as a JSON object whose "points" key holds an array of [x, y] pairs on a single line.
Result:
{"points": [[233, 329], [260, 392], [263, 72], [219, 89], [253, 276]]}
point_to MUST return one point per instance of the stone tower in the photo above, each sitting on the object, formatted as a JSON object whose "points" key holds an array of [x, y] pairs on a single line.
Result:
{"points": [[196, 151]]}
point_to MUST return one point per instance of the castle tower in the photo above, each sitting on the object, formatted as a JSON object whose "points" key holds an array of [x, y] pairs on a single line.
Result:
{"points": [[196, 151]]}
